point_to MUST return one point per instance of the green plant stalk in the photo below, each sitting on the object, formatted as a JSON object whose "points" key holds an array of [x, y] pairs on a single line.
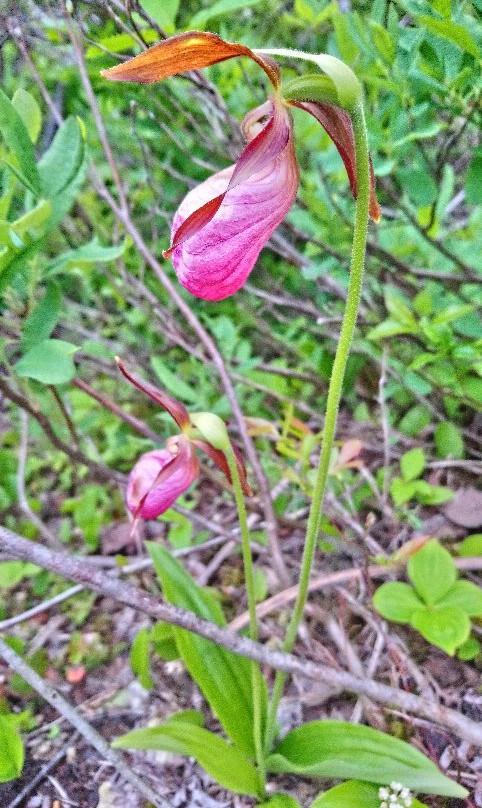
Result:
{"points": [[333, 400], [253, 625]]}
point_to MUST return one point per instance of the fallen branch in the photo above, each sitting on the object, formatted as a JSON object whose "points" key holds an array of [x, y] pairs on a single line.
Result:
{"points": [[81, 571], [44, 689]]}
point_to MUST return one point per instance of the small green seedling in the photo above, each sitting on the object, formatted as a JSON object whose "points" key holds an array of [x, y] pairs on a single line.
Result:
{"points": [[438, 604], [410, 486]]}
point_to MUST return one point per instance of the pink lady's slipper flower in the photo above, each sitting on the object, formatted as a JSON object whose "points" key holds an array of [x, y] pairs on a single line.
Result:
{"points": [[161, 476], [221, 226]]}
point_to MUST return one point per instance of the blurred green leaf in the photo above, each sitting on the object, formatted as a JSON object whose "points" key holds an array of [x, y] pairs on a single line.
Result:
{"points": [[432, 572], [49, 362]]}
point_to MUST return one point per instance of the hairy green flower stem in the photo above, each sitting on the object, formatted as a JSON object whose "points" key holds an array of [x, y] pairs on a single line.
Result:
{"points": [[256, 680], [333, 400]]}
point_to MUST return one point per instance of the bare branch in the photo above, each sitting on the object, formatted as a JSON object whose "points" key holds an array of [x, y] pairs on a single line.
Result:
{"points": [[81, 571]]}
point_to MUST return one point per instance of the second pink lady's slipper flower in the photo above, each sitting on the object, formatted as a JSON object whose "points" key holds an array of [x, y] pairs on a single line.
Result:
{"points": [[162, 475], [221, 226]]}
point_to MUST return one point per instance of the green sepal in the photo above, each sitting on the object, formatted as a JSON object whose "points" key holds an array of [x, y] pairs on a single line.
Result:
{"points": [[311, 87]]}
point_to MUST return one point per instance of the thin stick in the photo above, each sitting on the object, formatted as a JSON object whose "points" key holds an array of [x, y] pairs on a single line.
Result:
{"points": [[44, 689], [81, 571]]}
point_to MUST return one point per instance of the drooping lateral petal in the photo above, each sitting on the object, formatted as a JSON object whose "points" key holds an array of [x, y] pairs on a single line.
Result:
{"points": [[173, 407], [216, 260], [191, 50], [159, 478], [337, 123], [260, 152], [219, 459]]}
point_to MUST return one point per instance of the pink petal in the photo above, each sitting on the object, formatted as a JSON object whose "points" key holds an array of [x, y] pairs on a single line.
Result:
{"points": [[222, 225], [175, 409], [337, 124], [159, 478]]}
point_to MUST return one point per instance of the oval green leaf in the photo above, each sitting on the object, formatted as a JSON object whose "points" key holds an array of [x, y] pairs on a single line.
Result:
{"points": [[341, 750], [432, 572], [11, 751]]}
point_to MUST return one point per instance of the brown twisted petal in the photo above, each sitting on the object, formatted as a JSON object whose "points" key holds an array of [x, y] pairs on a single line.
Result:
{"points": [[219, 458], [175, 408], [191, 50], [337, 123]]}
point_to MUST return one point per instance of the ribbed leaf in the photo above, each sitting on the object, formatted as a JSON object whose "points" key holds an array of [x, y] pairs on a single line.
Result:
{"points": [[338, 749], [223, 677], [223, 761]]}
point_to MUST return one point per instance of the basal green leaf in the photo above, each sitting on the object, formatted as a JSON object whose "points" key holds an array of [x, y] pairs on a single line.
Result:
{"points": [[49, 362], [223, 761], [341, 750], [444, 626], [18, 141], [354, 794], [280, 801], [223, 677], [11, 751], [139, 658], [396, 601], [432, 572]]}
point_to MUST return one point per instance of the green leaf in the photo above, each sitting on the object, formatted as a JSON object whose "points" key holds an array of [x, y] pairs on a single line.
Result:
{"points": [[396, 601], [163, 641], [18, 142], [223, 677], [447, 627], [429, 494], [42, 319], [29, 111], [472, 545], [280, 801], [12, 572], [61, 163], [469, 649], [354, 794], [466, 596], [223, 761], [49, 362], [473, 179], [91, 253], [401, 491], [449, 30], [398, 307], [448, 440], [415, 420], [389, 328], [164, 12], [412, 464], [12, 751], [342, 750], [173, 383], [139, 658], [432, 572], [217, 9]]}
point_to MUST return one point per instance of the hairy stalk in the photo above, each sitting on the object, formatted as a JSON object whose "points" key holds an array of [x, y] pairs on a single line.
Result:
{"points": [[256, 676], [333, 401]]}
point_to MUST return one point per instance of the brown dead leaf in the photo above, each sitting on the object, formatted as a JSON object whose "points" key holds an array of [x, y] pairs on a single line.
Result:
{"points": [[465, 509]]}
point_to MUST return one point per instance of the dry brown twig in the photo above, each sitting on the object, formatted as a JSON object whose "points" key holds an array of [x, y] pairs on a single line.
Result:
{"points": [[82, 572]]}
